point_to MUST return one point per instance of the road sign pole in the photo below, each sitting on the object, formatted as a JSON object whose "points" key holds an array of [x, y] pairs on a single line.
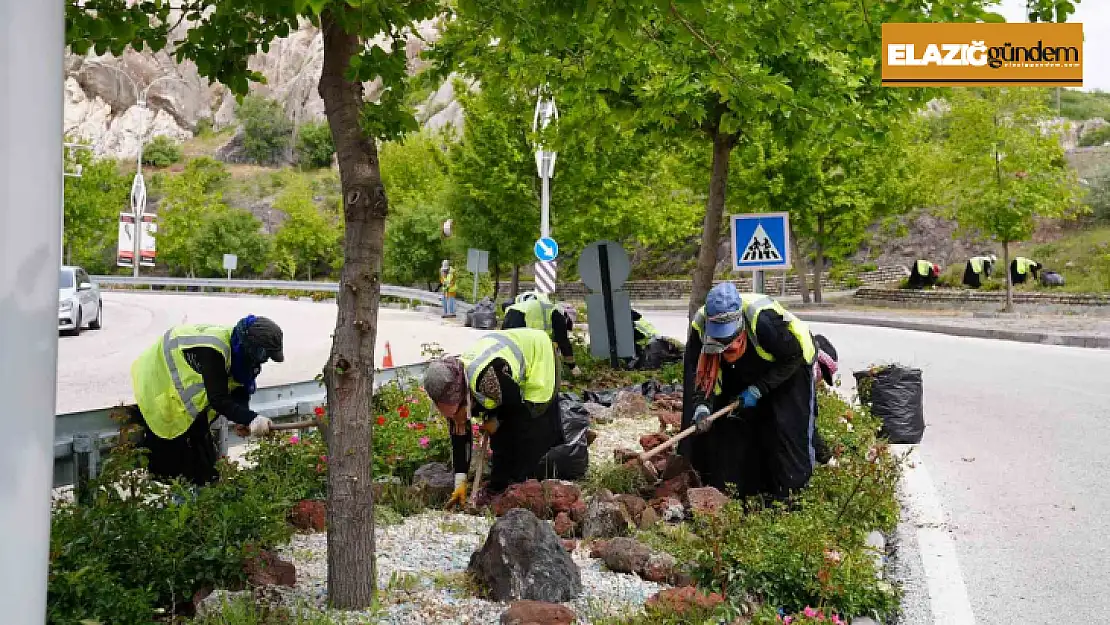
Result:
{"points": [[545, 207], [757, 282], [607, 293], [475, 274], [30, 135]]}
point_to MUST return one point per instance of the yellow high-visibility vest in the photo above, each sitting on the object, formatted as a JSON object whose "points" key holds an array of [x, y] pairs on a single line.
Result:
{"points": [[537, 314], [531, 358], [169, 392]]}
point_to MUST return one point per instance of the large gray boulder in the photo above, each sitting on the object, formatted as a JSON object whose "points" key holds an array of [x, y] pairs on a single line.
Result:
{"points": [[522, 558]]}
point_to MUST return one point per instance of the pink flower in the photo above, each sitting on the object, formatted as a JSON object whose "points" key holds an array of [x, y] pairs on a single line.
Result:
{"points": [[810, 612], [424, 440], [323, 458], [832, 555], [294, 439], [836, 620], [410, 425], [788, 620]]}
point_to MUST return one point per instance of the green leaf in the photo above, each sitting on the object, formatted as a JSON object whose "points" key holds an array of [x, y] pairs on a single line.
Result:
{"points": [[993, 18], [317, 6]]}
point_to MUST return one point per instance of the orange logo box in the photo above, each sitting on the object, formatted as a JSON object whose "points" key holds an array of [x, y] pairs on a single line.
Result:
{"points": [[991, 55]]}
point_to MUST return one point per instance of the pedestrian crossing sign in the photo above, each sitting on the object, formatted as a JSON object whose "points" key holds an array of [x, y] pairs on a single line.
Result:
{"points": [[760, 241]]}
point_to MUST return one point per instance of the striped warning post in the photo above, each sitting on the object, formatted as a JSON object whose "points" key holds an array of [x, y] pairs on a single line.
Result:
{"points": [[545, 276]]}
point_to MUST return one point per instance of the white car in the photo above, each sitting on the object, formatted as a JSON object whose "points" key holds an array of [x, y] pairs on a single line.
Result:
{"points": [[79, 303]]}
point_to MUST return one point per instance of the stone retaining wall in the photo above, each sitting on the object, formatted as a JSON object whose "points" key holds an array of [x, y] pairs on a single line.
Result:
{"points": [[967, 296], [679, 289]]}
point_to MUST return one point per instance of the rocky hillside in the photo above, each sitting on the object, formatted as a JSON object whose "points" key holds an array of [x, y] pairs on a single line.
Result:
{"points": [[101, 99]]}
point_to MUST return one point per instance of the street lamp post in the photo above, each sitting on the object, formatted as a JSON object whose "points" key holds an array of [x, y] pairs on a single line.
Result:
{"points": [[545, 114]]}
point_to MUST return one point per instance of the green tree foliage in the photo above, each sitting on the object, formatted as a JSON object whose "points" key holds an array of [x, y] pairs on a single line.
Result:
{"points": [[188, 199], [1098, 194], [266, 130], [93, 203], [306, 241], [162, 151], [1095, 137], [232, 231], [1001, 170], [315, 147], [415, 171]]}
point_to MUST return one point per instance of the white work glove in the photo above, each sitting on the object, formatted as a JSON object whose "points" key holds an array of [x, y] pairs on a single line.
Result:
{"points": [[576, 371], [260, 426]]}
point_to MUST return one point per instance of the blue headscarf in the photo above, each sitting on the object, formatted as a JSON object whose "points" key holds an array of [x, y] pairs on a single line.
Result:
{"points": [[245, 362]]}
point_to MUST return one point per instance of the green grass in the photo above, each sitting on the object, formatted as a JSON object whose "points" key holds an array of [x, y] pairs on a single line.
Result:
{"points": [[244, 611], [206, 143], [1088, 253], [615, 478]]}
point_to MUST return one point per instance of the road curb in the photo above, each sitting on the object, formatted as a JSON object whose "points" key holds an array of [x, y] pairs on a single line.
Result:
{"points": [[1042, 338]]}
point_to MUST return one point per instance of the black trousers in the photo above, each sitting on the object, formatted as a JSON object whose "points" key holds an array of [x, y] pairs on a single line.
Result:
{"points": [[768, 449], [191, 457]]}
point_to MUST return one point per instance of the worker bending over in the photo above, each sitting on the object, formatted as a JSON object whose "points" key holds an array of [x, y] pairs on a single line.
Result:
{"points": [[191, 375], [748, 348], [555, 321], [923, 274], [978, 269], [508, 379], [1021, 268]]}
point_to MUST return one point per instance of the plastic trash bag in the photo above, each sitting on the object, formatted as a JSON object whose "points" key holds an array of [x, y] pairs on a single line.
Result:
{"points": [[570, 460], [661, 351], [1051, 278], [895, 394]]}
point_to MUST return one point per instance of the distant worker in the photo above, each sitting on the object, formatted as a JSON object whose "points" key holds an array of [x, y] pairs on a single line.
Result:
{"points": [[190, 376], [748, 348], [450, 289], [978, 269], [643, 331], [508, 379], [530, 295], [1022, 268], [556, 321], [924, 273]]}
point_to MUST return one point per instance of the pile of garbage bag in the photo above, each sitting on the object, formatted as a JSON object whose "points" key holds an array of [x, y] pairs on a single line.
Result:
{"points": [[483, 316], [895, 394]]}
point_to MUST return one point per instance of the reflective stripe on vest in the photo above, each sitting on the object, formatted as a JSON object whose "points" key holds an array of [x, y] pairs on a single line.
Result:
{"points": [[537, 314], [531, 358], [170, 393], [753, 304]]}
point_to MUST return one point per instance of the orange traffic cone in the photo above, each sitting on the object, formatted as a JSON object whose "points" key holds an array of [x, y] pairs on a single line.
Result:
{"points": [[387, 362]]}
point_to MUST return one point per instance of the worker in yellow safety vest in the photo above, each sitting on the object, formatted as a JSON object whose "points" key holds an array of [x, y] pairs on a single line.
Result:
{"points": [[924, 273], [449, 287], [978, 269], [748, 348], [507, 379], [191, 375], [555, 320], [1021, 268]]}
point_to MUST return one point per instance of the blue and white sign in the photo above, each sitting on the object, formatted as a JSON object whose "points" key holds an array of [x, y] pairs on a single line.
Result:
{"points": [[760, 241], [547, 249]]}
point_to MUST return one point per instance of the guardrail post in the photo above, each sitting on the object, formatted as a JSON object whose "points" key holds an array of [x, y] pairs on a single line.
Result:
{"points": [[86, 461]]}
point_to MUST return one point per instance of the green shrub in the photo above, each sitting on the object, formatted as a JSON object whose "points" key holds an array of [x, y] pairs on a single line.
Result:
{"points": [[266, 131], [315, 147], [162, 151], [134, 549], [408, 431], [1098, 136], [616, 478]]}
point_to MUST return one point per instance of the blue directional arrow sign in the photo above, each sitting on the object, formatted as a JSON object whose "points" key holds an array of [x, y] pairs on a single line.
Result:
{"points": [[546, 249], [760, 241]]}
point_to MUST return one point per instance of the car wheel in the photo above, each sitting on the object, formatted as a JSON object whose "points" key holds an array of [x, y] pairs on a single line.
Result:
{"points": [[99, 321], [76, 331]]}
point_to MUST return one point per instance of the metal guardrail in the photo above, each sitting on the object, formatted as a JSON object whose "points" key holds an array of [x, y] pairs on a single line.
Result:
{"points": [[389, 290], [81, 437]]}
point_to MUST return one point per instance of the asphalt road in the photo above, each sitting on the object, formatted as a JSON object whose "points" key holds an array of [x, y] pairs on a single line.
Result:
{"points": [[94, 368], [1017, 446]]}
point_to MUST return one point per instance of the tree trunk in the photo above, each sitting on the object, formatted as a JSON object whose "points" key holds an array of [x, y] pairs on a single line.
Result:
{"points": [[514, 282], [496, 281], [349, 372], [714, 210], [818, 260], [799, 266], [1009, 278]]}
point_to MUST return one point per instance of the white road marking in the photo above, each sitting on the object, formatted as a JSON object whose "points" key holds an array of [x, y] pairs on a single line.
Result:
{"points": [[947, 592]]}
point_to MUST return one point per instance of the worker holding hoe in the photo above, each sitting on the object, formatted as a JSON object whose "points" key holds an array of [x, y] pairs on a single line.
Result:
{"points": [[556, 321], [190, 376], [748, 348], [509, 380]]}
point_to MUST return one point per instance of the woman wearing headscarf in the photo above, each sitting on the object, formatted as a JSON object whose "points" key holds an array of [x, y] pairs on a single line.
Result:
{"points": [[748, 348], [507, 380], [190, 376]]}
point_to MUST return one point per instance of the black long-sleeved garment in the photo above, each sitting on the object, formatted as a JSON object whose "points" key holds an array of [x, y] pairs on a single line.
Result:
{"points": [[210, 364], [560, 331]]}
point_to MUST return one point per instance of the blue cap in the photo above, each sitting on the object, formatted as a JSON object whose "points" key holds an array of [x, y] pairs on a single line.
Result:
{"points": [[723, 298]]}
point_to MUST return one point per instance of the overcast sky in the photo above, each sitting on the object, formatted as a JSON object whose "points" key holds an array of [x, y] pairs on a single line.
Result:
{"points": [[1095, 17]]}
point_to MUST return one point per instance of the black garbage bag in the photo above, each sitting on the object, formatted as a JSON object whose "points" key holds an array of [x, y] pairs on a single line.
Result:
{"points": [[603, 397], [1051, 278], [570, 397], [661, 351], [570, 460], [895, 394]]}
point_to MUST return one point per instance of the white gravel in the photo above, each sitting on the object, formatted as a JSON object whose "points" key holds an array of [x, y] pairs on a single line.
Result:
{"points": [[420, 571]]}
